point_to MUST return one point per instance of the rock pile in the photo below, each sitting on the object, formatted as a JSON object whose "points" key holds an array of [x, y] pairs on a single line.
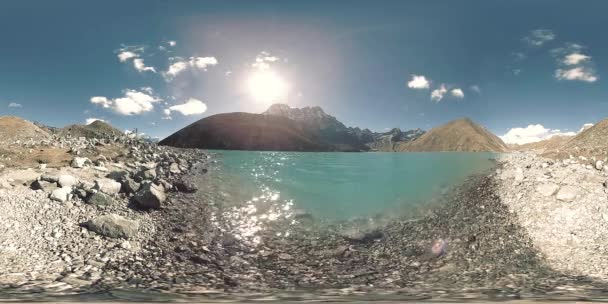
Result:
{"points": [[60, 226], [563, 205]]}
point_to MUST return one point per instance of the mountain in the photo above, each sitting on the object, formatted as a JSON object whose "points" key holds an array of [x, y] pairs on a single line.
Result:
{"points": [[332, 132], [246, 131], [592, 141], [555, 142], [15, 128], [328, 129], [457, 135], [96, 129], [386, 142]]}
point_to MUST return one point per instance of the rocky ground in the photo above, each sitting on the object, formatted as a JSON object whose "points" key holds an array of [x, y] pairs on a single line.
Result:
{"points": [[563, 207], [120, 218]]}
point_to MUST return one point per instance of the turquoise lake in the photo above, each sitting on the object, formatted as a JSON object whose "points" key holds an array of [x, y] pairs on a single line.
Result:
{"points": [[347, 185]]}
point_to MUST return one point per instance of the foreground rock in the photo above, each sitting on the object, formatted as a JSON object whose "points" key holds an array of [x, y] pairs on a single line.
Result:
{"points": [[107, 186], [563, 206], [113, 226], [62, 194], [150, 196]]}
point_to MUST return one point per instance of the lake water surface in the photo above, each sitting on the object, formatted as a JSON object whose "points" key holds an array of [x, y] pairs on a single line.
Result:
{"points": [[347, 185]]}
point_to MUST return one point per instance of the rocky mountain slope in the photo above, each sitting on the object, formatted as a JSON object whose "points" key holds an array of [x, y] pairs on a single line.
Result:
{"points": [[555, 142], [96, 129], [15, 128], [590, 142], [387, 142], [457, 135], [245, 131]]}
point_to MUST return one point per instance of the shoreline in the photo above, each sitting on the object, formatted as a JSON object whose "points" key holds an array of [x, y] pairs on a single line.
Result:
{"points": [[488, 252]]}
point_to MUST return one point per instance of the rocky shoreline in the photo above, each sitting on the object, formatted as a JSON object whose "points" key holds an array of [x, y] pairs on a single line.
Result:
{"points": [[141, 224]]}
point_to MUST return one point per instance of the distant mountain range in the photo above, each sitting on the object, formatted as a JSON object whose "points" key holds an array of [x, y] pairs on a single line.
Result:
{"points": [[282, 127]]}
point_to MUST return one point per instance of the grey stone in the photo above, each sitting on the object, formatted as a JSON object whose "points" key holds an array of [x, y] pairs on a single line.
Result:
{"points": [[129, 186], [99, 199], [145, 174], [43, 185], [113, 226], [150, 196]]}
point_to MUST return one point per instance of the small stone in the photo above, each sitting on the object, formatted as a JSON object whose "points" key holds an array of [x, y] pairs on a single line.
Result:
{"points": [[599, 165], [285, 256], [174, 168], [79, 162]]}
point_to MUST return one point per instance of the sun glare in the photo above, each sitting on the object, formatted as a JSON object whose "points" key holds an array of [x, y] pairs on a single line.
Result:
{"points": [[267, 86]]}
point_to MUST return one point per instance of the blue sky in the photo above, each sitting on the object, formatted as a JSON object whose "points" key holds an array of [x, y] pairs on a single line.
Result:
{"points": [[505, 64]]}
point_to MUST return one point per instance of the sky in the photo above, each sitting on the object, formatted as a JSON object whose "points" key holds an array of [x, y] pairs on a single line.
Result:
{"points": [[526, 70]]}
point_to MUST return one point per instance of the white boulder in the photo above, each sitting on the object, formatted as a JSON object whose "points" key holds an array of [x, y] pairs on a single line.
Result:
{"points": [[547, 189], [567, 193], [67, 181], [107, 186], [62, 194]]}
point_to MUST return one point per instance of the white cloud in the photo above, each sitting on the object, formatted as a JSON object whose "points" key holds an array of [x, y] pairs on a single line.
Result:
{"points": [[134, 102], [437, 94], [100, 100], [519, 56], [585, 127], [139, 65], [262, 61], [458, 93], [475, 88], [418, 82], [202, 62], [172, 43], [126, 55], [15, 105], [582, 73], [532, 133], [539, 37], [175, 69], [180, 65], [575, 58], [191, 107], [573, 64], [92, 120]]}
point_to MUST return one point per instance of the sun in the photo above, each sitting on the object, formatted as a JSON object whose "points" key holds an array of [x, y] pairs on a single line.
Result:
{"points": [[267, 86]]}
